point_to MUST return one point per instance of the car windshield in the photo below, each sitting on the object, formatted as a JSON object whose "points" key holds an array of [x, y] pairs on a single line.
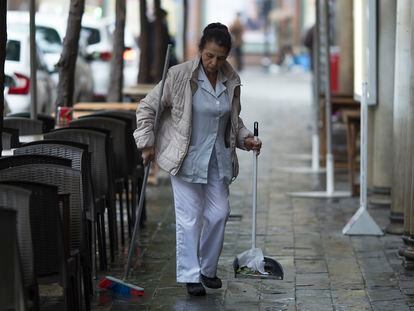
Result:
{"points": [[93, 36], [48, 40], [13, 50]]}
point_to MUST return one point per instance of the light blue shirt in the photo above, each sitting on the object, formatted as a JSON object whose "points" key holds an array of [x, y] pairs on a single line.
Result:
{"points": [[211, 112]]}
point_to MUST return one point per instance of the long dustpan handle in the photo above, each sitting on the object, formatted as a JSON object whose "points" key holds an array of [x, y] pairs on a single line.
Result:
{"points": [[254, 207], [146, 173]]}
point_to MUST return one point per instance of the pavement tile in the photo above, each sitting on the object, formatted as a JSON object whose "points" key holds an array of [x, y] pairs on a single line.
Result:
{"points": [[351, 299]]}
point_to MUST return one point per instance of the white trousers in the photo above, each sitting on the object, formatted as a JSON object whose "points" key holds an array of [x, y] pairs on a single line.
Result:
{"points": [[201, 213]]}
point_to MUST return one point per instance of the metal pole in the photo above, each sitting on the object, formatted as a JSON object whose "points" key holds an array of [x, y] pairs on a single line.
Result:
{"points": [[254, 207], [364, 146], [328, 112], [33, 63], [316, 88]]}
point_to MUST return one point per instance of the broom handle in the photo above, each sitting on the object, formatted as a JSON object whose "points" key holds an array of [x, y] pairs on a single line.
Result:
{"points": [[254, 207], [146, 173]]}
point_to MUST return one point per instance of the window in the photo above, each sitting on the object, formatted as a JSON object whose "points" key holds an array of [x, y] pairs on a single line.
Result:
{"points": [[13, 50], [48, 39], [92, 34]]}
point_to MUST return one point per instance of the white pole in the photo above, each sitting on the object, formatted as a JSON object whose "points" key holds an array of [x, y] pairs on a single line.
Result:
{"points": [[364, 146], [328, 110], [254, 203]]}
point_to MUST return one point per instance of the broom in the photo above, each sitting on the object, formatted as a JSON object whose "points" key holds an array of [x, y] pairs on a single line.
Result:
{"points": [[117, 285]]}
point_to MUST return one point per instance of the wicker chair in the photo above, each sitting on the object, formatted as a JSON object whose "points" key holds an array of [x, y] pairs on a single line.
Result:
{"points": [[24, 125], [68, 182], [100, 148], [50, 248], [135, 165], [119, 135], [80, 157], [48, 121], [10, 138], [12, 294]]}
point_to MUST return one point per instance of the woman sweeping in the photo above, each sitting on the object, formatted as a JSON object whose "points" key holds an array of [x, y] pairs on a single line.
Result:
{"points": [[195, 140]]}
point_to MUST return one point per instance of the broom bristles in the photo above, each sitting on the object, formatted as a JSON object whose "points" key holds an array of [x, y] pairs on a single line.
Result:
{"points": [[121, 287]]}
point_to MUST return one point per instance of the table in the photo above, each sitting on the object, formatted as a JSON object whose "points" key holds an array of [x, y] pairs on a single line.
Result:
{"points": [[81, 109], [138, 91]]}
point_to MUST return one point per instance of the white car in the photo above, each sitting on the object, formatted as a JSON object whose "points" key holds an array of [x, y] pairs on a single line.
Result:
{"points": [[50, 31], [98, 34], [17, 79]]}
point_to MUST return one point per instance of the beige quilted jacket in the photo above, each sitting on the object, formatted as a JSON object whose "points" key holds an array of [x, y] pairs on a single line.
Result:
{"points": [[173, 132]]}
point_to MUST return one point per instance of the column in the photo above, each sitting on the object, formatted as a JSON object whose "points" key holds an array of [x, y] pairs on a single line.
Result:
{"points": [[408, 236], [382, 113], [401, 163]]}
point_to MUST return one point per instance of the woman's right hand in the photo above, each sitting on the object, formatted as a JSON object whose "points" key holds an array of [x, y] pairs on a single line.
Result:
{"points": [[148, 154]]}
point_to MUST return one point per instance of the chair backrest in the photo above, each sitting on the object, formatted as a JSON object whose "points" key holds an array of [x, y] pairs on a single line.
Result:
{"points": [[98, 142], [76, 152], [11, 283], [48, 121], [129, 118], [23, 159], [10, 138], [19, 199], [46, 227], [67, 180], [24, 125], [117, 129]]}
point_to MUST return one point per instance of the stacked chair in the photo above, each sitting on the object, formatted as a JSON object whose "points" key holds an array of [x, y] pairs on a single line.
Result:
{"points": [[10, 138], [48, 122], [135, 166], [100, 149], [24, 125], [52, 172], [62, 192], [42, 248], [12, 295], [117, 129]]}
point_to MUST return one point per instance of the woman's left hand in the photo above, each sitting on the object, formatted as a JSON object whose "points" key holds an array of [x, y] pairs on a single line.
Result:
{"points": [[252, 144]]}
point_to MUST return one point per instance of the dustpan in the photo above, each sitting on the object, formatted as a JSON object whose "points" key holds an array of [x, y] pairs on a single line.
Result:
{"points": [[251, 263]]}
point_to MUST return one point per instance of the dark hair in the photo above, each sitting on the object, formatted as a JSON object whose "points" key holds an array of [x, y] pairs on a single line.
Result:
{"points": [[217, 33]]}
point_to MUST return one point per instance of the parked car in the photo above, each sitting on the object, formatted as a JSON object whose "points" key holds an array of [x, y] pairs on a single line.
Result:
{"points": [[17, 76], [50, 31], [99, 35]]}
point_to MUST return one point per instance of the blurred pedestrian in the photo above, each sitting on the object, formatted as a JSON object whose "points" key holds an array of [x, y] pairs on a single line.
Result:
{"points": [[237, 30], [308, 42], [195, 141]]}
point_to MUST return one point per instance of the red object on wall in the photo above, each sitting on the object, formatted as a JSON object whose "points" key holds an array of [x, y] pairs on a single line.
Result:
{"points": [[335, 62]]}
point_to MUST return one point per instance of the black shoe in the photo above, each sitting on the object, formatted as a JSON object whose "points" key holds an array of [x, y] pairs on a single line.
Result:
{"points": [[196, 289], [210, 282]]}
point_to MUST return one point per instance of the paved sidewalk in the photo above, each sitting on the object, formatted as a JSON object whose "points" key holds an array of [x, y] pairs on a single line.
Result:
{"points": [[324, 270]]}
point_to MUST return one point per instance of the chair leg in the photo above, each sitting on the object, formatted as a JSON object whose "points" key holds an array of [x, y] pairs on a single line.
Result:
{"points": [[128, 205], [121, 215], [101, 234], [111, 230]]}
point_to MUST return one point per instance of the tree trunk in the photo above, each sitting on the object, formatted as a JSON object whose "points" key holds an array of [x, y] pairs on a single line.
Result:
{"points": [[3, 42], [69, 54], [161, 42], [117, 62], [144, 61], [185, 26]]}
